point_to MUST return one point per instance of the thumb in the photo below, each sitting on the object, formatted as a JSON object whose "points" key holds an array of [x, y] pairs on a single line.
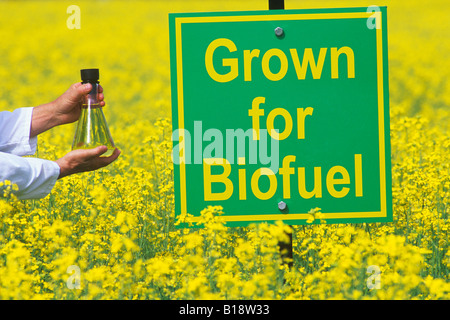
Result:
{"points": [[78, 90], [83, 88]]}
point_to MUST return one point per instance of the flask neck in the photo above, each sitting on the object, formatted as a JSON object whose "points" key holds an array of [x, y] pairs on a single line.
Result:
{"points": [[91, 99]]}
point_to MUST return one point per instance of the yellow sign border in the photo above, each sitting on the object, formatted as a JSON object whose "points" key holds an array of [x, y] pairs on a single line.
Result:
{"points": [[285, 17]]}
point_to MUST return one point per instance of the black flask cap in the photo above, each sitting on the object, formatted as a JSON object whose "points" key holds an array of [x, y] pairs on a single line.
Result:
{"points": [[90, 75]]}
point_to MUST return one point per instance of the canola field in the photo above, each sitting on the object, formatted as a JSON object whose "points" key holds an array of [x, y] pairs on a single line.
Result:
{"points": [[110, 234]]}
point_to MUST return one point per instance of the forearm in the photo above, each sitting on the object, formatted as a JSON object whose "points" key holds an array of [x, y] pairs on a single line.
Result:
{"points": [[43, 118]]}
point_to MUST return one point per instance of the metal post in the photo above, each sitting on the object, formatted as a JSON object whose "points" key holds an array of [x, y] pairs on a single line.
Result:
{"points": [[287, 256], [276, 4], [285, 247]]}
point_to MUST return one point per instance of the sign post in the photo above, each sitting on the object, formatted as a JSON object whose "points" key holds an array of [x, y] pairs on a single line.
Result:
{"points": [[279, 112], [276, 4], [286, 250]]}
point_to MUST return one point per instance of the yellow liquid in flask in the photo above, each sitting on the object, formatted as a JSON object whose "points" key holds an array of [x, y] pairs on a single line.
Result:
{"points": [[92, 130]]}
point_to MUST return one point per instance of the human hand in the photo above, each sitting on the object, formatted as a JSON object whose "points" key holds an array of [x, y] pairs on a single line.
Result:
{"points": [[83, 160], [65, 109]]}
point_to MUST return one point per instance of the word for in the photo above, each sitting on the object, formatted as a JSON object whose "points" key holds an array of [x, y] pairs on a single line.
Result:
{"points": [[255, 113], [247, 56]]}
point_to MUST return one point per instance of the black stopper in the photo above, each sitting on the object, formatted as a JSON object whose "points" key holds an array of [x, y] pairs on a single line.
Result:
{"points": [[90, 75]]}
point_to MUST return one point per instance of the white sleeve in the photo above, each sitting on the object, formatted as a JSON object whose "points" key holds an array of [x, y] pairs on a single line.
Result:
{"points": [[34, 177], [15, 132]]}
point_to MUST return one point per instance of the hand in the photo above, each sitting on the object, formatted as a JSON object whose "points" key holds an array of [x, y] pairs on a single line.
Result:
{"points": [[65, 109], [83, 160]]}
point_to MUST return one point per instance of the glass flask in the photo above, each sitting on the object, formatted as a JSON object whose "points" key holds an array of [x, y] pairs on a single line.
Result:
{"points": [[92, 130]]}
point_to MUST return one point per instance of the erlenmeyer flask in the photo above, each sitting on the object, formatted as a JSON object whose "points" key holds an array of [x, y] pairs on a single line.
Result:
{"points": [[92, 130]]}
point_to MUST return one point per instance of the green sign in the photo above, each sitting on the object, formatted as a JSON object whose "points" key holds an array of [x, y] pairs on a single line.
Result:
{"points": [[279, 112]]}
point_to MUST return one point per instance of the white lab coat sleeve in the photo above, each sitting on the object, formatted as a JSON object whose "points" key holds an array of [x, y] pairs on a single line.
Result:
{"points": [[34, 177], [15, 132]]}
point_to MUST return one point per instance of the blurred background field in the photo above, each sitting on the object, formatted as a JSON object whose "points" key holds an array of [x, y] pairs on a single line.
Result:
{"points": [[117, 224]]}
